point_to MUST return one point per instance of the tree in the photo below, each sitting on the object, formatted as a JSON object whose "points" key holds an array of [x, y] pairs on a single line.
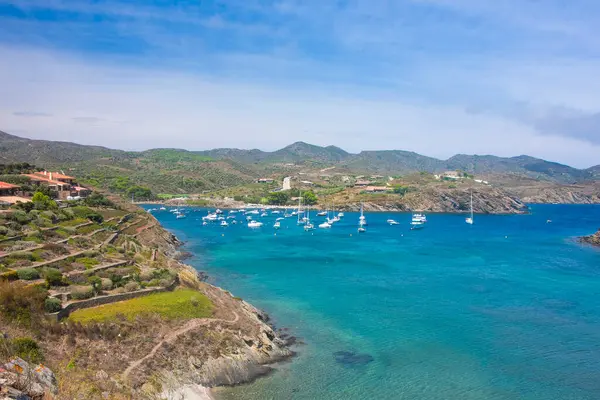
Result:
{"points": [[43, 202], [309, 198], [140, 193], [278, 198]]}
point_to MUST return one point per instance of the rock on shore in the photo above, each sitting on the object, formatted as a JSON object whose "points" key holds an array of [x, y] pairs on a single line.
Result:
{"points": [[485, 201], [592, 239]]}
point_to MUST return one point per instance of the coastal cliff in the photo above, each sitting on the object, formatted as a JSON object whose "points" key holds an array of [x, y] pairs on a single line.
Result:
{"points": [[555, 194], [592, 239], [485, 201], [163, 331]]}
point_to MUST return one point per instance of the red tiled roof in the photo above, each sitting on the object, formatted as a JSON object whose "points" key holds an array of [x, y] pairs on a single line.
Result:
{"points": [[4, 185], [55, 175], [42, 178]]}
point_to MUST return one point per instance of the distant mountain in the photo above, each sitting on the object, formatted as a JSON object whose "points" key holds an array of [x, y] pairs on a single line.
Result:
{"points": [[175, 170], [594, 171], [301, 152], [393, 162]]}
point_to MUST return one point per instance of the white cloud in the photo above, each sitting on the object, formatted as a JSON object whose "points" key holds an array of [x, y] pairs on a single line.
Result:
{"points": [[134, 108]]}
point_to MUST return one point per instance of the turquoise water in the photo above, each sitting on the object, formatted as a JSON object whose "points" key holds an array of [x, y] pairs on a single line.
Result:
{"points": [[506, 309]]}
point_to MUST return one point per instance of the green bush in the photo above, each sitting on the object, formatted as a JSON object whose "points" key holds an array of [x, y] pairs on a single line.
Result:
{"points": [[88, 262], [82, 292], [28, 274], [96, 283], [52, 305], [27, 349], [53, 277]]}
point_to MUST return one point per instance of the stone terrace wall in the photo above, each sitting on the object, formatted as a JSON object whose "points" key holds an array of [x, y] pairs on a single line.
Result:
{"points": [[111, 298]]}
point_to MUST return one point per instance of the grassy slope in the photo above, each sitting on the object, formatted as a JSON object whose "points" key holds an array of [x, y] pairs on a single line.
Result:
{"points": [[179, 304]]}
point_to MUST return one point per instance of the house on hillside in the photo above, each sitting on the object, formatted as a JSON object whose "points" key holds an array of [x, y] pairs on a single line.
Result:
{"points": [[362, 183], [377, 189], [63, 186], [57, 176], [451, 175], [8, 189], [307, 183], [264, 180], [9, 194]]}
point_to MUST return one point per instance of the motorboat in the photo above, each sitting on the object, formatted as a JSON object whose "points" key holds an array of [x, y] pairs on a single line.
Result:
{"points": [[224, 223], [277, 225], [340, 215], [325, 225], [392, 222], [254, 224]]}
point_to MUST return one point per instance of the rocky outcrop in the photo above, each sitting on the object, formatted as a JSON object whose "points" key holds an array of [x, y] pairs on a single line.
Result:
{"points": [[20, 380], [485, 201], [555, 194], [592, 239]]}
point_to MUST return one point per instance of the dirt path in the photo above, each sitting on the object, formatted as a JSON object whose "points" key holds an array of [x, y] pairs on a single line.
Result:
{"points": [[170, 337]]}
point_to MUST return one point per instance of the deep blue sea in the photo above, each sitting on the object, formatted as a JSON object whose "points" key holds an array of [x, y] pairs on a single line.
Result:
{"points": [[508, 308]]}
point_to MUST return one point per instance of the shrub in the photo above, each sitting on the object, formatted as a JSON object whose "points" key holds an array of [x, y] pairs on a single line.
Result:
{"points": [[96, 283], [146, 275], [165, 282], [88, 262], [23, 255], [28, 274], [52, 305], [90, 253], [106, 284], [119, 290], [82, 292], [20, 303], [53, 277], [131, 286], [10, 275], [27, 349], [57, 249]]}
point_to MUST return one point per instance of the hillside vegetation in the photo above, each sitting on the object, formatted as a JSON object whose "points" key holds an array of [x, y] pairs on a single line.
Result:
{"points": [[180, 171]]}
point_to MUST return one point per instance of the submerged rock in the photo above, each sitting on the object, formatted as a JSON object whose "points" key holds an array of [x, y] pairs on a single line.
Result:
{"points": [[594, 239], [352, 358]]}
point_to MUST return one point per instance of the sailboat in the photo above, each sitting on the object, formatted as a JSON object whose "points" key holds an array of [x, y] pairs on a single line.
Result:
{"points": [[469, 220], [361, 221], [308, 226], [301, 219]]}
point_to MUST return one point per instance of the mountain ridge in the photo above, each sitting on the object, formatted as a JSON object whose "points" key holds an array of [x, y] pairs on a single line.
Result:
{"points": [[45, 152]]}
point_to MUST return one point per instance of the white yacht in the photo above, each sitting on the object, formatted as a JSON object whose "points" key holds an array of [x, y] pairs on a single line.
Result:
{"points": [[224, 223], [180, 216], [264, 214], [277, 225], [418, 221], [325, 225], [218, 211], [254, 224], [340, 215], [321, 213], [162, 208], [392, 222]]}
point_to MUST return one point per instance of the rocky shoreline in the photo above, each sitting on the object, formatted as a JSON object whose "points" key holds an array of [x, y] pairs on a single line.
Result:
{"points": [[251, 350], [593, 240]]}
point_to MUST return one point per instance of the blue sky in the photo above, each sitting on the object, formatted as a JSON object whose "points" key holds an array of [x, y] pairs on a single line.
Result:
{"points": [[434, 76]]}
